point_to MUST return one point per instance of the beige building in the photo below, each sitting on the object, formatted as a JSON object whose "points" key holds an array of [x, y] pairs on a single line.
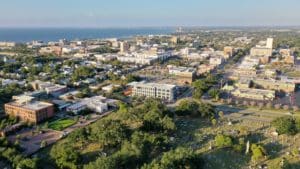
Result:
{"points": [[205, 68], [57, 50], [124, 47], [5, 45], [228, 52], [240, 73], [255, 94], [174, 39], [277, 85]]}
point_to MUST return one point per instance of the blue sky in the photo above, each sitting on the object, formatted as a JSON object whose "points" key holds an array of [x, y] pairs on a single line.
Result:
{"points": [[134, 13]]}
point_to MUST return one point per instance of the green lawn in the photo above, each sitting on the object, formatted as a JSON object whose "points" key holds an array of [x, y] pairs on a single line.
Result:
{"points": [[61, 124]]}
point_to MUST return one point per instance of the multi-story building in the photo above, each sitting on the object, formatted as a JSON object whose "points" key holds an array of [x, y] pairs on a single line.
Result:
{"points": [[57, 50], [98, 104], [105, 57], [263, 50], [49, 88], [254, 94], [163, 91], [278, 85], [26, 109], [144, 58], [185, 75], [124, 47], [205, 68], [5, 45], [228, 52]]}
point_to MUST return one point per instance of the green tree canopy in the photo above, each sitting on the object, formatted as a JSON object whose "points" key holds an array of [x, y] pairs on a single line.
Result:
{"points": [[284, 125], [179, 158], [223, 141]]}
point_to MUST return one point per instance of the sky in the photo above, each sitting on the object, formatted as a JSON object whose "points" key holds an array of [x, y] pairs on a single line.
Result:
{"points": [[148, 13]]}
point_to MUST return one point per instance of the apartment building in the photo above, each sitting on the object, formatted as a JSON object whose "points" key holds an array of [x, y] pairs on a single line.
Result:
{"points": [[155, 90], [254, 94], [228, 52], [278, 85], [263, 50], [144, 58]]}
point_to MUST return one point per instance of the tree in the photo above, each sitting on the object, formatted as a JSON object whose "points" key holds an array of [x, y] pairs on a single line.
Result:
{"points": [[103, 162], [214, 93], [221, 114], [123, 107], [206, 110], [297, 123], [132, 78], [284, 125], [109, 132], [223, 141], [179, 158], [79, 136], [156, 121], [200, 86], [65, 155], [187, 107], [257, 152], [82, 72], [27, 164], [214, 122]]}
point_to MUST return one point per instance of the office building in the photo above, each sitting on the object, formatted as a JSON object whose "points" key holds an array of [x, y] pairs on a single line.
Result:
{"points": [[165, 92], [26, 109]]}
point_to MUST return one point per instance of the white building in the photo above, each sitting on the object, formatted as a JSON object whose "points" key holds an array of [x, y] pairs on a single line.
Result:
{"points": [[5, 82], [77, 107], [144, 58], [163, 91], [105, 57], [249, 62], [97, 104]]}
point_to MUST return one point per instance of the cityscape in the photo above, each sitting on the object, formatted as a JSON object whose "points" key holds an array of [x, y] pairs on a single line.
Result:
{"points": [[179, 94]]}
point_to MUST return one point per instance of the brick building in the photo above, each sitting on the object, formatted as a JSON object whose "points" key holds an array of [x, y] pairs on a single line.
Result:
{"points": [[29, 110]]}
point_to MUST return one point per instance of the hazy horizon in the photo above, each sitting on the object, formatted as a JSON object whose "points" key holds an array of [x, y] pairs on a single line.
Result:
{"points": [[155, 13]]}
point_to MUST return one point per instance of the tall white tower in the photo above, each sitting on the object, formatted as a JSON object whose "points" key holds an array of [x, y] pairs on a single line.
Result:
{"points": [[270, 43]]}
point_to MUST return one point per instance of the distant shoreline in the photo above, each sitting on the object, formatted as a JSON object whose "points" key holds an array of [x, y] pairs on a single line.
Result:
{"points": [[22, 35], [47, 34]]}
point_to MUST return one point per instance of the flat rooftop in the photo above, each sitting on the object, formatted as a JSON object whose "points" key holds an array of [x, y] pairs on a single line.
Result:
{"points": [[33, 105], [157, 85]]}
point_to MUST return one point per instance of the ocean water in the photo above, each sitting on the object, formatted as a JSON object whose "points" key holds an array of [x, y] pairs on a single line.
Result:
{"points": [[54, 34]]}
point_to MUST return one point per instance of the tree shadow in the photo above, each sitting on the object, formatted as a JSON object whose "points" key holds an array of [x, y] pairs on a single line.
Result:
{"points": [[273, 149], [293, 165], [226, 159], [255, 137]]}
